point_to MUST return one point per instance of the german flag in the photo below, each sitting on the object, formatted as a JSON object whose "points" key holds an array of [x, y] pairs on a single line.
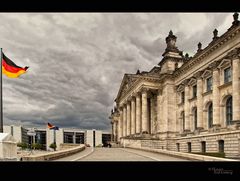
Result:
{"points": [[10, 69], [50, 126]]}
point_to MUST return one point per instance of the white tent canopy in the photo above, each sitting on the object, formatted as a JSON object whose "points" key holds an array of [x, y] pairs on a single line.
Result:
{"points": [[8, 146]]}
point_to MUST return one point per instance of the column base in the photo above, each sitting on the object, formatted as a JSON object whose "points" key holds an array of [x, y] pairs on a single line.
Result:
{"points": [[187, 131], [200, 128]]}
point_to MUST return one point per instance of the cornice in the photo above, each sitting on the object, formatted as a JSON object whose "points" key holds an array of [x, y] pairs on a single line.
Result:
{"points": [[213, 46]]}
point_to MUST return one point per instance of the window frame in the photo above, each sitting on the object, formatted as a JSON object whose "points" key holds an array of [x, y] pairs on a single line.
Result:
{"points": [[227, 77], [207, 85], [229, 111], [194, 91], [210, 121], [183, 97]]}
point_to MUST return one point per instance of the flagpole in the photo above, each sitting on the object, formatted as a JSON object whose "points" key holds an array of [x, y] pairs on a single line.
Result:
{"points": [[54, 138], [1, 105]]}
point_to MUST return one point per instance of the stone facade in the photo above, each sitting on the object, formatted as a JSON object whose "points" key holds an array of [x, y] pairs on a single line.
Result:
{"points": [[186, 104]]}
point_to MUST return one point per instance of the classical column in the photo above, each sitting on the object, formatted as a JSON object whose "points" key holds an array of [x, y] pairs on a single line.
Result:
{"points": [[116, 131], [145, 126], [186, 108], [199, 103], [124, 120], [120, 123], [236, 89], [216, 103], [152, 127], [112, 136], [138, 113], [133, 116], [159, 111], [74, 137], [128, 118]]}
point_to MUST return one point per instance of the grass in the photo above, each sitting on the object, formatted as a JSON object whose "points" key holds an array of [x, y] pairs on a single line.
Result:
{"points": [[215, 154]]}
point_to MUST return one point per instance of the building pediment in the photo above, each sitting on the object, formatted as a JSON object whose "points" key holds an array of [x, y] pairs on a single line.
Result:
{"points": [[224, 63], [192, 81], [127, 82], [180, 88], [130, 81], [206, 74]]}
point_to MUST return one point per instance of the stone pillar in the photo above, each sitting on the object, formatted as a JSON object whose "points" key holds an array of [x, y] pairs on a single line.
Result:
{"points": [[112, 136], [216, 103], [199, 103], [159, 111], [120, 123], [145, 126], [74, 137], [138, 113], [128, 118], [116, 131], [152, 121], [236, 89], [124, 120], [133, 116], [187, 109]]}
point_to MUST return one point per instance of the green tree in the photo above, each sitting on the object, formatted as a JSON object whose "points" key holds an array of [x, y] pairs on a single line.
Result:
{"points": [[37, 146], [22, 145], [53, 146]]}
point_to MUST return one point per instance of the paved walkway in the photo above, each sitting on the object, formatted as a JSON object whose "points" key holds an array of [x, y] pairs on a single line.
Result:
{"points": [[118, 154], [77, 156]]}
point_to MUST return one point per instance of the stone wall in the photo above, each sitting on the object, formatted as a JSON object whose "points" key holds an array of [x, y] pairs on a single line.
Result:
{"points": [[231, 143]]}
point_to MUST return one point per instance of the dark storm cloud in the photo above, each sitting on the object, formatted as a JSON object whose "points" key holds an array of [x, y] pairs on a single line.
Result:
{"points": [[77, 60]]}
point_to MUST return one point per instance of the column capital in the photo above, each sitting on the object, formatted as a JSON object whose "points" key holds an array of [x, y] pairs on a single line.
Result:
{"points": [[138, 94], [144, 90], [128, 101], [133, 99]]}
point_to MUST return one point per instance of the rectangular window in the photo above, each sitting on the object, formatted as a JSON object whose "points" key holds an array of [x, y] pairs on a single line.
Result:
{"points": [[209, 84], [203, 146], [178, 147], [182, 97], [189, 147], [227, 75], [194, 91]]}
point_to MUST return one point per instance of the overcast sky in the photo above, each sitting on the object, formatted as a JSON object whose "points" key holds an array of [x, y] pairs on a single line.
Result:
{"points": [[77, 60]]}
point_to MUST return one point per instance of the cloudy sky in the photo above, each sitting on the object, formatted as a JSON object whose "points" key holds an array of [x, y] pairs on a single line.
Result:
{"points": [[77, 60]]}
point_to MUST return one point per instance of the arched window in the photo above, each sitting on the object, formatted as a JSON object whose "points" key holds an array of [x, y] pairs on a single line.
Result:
{"points": [[210, 115], [229, 110], [183, 120], [195, 118]]}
